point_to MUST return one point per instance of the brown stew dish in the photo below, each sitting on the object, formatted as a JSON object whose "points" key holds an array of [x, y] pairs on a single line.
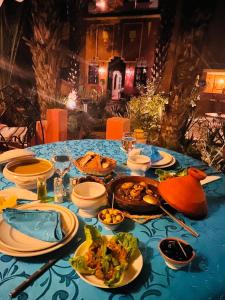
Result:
{"points": [[132, 191], [129, 192]]}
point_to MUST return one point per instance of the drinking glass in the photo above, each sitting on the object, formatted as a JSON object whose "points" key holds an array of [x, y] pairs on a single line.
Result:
{"points": [[62, 163], [128, 142]]}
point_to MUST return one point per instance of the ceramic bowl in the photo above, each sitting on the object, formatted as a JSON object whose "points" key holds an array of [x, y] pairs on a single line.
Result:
{"points": [[134, 206], [26, 181], [111, 218], [29, 167], [138, 164], [176, 252], [89, 197]]}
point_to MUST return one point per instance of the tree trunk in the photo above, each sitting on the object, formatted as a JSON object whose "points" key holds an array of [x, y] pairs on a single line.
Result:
{"points": [[186, 66], [45, 49]]}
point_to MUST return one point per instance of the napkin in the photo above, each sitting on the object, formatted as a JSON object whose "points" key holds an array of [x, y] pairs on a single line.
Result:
{"points": [[14, 154], [154, 154], [44, 225], [151, 152], [209, 179]]}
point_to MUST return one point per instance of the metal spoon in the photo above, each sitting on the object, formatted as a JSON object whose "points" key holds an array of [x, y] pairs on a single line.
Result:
{"points": [[182, 249], [150, 199], [112, 200]]}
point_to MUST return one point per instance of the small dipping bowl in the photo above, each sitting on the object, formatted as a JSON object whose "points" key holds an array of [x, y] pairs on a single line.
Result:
{"points": [[111, 218], [138, 164], [89, 197], [171, 250]]}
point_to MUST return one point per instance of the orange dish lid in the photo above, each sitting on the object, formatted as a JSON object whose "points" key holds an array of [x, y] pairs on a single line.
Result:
{"points": [[186, 194]]}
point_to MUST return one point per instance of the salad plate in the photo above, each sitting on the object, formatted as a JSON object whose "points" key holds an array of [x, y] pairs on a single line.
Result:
{"points": [[133, 269], [130, 274]]}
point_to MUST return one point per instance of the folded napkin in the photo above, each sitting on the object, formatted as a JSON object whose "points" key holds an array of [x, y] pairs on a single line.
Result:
{"points": [[14, 154], [209, 179], [44, 225], [151, 152]]}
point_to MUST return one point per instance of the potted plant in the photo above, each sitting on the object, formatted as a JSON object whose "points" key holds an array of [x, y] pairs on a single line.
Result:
{"points": [[146, 109]]}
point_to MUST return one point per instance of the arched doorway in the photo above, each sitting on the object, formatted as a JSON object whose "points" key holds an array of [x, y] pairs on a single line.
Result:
{"points": [[116, 76]]}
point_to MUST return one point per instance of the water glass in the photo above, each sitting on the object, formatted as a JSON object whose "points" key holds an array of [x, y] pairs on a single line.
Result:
{"points": [[62, 164], [128, 142]]}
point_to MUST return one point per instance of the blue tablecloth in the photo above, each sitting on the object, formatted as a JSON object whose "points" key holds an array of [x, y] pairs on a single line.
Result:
{"points": [[203, 279]]}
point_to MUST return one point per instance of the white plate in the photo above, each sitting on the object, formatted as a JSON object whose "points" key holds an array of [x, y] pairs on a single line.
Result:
{"points": [[19, 193], [164, 166], [166, 159], [15, 154], [130, 274], [16, 241], [11, 252]]}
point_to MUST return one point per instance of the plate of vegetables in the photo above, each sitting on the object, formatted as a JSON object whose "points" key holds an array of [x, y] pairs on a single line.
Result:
{"points": [[107, 261]]}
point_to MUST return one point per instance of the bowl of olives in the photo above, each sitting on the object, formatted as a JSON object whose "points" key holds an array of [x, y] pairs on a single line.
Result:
{"points": [[111, 218], [176, 252]]}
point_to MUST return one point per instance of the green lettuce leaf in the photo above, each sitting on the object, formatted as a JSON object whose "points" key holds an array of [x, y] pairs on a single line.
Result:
{"points": [[92, 235], [163, 174], [129, 242], [79, 264], [117, 277]]}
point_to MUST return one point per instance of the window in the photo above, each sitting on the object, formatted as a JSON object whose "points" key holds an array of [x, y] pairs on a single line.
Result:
{"points": [[93, 74]]}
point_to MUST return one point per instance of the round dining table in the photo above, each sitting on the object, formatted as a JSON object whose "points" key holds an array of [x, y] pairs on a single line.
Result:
{"points": [[202, 279]]}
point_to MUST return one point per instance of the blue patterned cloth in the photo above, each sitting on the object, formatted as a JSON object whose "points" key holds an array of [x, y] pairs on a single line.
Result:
{"points": [[201, 280], [40, 224]]}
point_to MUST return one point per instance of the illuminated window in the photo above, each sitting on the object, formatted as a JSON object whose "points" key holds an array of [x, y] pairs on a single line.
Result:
{"points": [[93, 73]]}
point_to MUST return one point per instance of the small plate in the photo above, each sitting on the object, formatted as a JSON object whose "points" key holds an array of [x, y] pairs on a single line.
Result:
{"points": [[15, 154], [130, 274], [19, 193], [166, 159]]}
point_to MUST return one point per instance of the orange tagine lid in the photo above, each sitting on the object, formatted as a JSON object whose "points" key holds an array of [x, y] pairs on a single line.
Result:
{"points": [[186, 194]]}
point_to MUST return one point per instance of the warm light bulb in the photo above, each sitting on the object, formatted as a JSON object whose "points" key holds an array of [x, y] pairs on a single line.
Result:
{"points": [[221, 81], [101, 70], [101, 4]]}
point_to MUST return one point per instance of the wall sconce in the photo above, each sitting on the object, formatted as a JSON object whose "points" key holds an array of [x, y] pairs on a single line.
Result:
{"points": [[102, 70]]}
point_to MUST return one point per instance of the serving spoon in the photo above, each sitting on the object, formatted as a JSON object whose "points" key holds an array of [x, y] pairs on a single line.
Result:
{"points": [[150, 199]]}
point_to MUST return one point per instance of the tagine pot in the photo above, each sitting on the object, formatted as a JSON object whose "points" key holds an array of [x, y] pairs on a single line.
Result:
{"points": [[186, 194]]}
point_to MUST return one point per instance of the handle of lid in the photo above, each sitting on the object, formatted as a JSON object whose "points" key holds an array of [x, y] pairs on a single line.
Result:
{"points": [[196, 173]]}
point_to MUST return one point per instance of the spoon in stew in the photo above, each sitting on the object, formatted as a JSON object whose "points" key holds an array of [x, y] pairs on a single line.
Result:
{"points": [[112, 204], [150, 199]]}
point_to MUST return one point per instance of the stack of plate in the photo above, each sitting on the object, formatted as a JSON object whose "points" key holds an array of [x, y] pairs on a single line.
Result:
{"points": [[15, 243], [167, 161]]}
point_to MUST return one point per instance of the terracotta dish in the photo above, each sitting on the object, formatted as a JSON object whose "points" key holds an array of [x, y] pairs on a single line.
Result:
{"points": [[130, 200], [186, 194], [94, 164]]}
